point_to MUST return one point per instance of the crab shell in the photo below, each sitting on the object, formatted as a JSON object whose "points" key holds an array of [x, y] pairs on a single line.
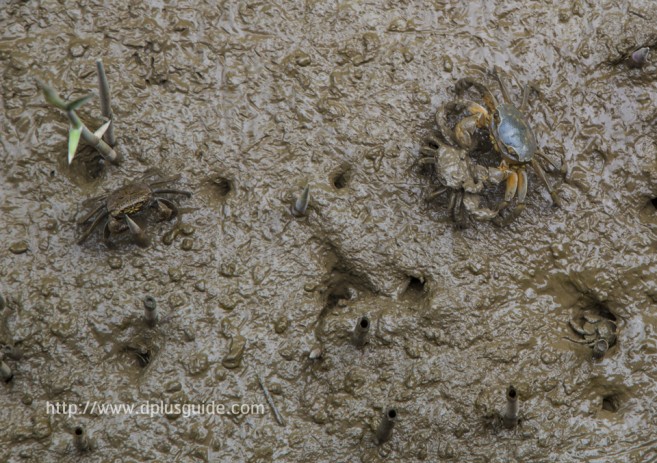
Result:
{"points": [[511, 135], [452, 168], [129, 199]]}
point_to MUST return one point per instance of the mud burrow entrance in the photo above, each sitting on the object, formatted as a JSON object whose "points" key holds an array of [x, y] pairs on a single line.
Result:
{"points": [[611, 402], [341, 177]]}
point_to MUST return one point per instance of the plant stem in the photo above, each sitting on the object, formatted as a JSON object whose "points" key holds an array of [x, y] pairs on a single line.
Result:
{"points": [[105, 104], [103, 148]]}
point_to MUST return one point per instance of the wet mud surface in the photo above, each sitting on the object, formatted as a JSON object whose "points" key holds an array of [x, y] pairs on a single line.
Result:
{"points": [[251, 101]]}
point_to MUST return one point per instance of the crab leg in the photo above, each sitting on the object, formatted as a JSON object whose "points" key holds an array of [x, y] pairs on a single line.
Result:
{"points": [[173, 192], [505, 93], [578, 341], [90, 214], [429, 155], [91, 228], [164, 181], [173, 209], [95, 199], [525, 98], [436, 193], [546, 159], [511, 188], [540, 173], [522, 193], [467, 82]]}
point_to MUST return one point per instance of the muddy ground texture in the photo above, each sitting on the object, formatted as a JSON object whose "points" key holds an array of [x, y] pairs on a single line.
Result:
{"points": [[251, 101]]}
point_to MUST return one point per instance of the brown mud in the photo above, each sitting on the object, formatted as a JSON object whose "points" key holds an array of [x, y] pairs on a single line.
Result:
{"points": [[251, 101]]}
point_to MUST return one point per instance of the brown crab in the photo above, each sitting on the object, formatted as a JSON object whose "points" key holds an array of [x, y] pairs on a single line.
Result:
{"points": [[117, 207], [596, 331], [458, 175]]}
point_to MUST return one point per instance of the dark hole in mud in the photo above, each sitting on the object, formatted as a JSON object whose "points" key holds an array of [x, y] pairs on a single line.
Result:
{"points": [[415, 287], [653, 201], [599, 308], [341, 178], [343, 285], [143, 358], [364, 323], [78, 431], [222, 186], [512, 393], [87, 166], [340, 291], [141, 354], [392, 413], [604, 311], [611, 403]]}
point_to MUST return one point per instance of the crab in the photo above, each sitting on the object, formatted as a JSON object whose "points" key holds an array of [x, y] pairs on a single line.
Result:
{"points": [[510, 134], [596, 331], [117, 207], [457, 173]]}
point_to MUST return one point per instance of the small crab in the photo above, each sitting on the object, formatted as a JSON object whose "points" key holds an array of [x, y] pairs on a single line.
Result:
{"points": [[117, 207], [458, 174], [596, 331], [510, 135]]}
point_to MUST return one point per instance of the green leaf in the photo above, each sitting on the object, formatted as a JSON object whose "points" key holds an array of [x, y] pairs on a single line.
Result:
{"points": [[73, 140], [73, 105], [51, 95]]}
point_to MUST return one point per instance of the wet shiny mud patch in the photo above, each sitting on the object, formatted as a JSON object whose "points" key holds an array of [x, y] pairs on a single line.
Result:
{"points": [[251, 102]]}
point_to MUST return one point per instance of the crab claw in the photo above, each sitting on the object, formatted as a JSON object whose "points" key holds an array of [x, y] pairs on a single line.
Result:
{"points": [[301, 204], [600, 348], [639, 57], [140, 236]]}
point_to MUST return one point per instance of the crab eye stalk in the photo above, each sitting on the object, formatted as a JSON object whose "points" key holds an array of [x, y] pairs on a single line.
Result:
{"points": [[496, 116], [511, 150]]}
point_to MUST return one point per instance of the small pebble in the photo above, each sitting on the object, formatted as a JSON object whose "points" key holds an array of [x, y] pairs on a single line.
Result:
{"points": [[77, 51], [176, 300], [189, 333], [168, 238], [173, 386], [175, 274], [200, 286], [18, 248], [197, 364], [235, 352], [187, 244], [187, 229], [115, 262], [447, 64], [281, 324], [303, 59]]}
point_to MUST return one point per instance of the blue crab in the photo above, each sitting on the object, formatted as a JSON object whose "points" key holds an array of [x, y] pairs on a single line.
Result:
{"points": [[510, 134]]}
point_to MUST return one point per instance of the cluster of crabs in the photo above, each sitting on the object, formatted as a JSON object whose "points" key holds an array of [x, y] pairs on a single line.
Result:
{"points": [[477, 128]]}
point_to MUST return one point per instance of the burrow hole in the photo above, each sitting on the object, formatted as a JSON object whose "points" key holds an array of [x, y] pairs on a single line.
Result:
{"points": [[653, 201], [338, 292], [611, 403], [222, 186], [415, 287], [340, 179]]}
